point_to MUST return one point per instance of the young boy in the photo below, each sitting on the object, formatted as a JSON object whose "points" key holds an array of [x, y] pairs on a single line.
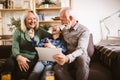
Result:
{"points": [[56, 41]]}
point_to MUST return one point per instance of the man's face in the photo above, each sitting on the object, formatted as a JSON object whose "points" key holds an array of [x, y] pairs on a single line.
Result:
{"points": [[65, 21], [31, 20]]}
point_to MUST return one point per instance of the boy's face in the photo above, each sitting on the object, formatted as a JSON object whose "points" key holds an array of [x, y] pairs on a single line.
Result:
{"points": [[56, 30]]}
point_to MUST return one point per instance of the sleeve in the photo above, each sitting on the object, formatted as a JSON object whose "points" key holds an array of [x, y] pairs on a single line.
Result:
{"points": [[81, 47], [38, 43], [44, 33], [63, 46], [42, 42], [15, 44], [34, 42]]}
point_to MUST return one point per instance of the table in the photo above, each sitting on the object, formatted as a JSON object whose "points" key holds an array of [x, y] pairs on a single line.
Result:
{"points": [[4, 41]]}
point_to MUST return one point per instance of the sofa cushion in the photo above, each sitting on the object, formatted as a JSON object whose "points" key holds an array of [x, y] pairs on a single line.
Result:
{"points": [[108, 54], [90, 46], [5, 51], [99, 72]]}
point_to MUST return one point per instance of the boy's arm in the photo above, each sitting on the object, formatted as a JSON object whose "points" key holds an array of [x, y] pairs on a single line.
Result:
{"points": [[63, 46], [34, 42]]}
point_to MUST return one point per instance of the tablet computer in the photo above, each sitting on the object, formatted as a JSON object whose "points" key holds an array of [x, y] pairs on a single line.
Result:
{"points": [[47, 53]]}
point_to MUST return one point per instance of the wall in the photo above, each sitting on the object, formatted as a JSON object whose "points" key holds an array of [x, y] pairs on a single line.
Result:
{"points": [[6, 20], [7, 14], [17, 13], [0, 23], [90, 12]]}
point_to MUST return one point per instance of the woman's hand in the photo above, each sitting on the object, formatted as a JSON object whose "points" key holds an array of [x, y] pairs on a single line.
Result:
{"points": [[31, 33], [22, 62], [61, 59]]}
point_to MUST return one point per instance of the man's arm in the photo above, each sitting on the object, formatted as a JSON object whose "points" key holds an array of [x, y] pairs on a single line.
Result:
{"points": [[81, 47]]}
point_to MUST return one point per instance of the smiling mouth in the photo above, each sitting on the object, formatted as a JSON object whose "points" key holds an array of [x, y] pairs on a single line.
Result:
{"points": [[32, 23], [54, 30]]}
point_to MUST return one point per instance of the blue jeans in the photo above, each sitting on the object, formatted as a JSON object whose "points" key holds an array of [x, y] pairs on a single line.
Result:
{"points": [[39, 70]]}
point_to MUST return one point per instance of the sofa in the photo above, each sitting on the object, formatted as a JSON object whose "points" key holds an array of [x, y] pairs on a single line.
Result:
{"points": [[98, 69]]}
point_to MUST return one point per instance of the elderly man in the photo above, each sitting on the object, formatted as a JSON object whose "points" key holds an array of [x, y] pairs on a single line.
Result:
{"points": [[74, 65]]}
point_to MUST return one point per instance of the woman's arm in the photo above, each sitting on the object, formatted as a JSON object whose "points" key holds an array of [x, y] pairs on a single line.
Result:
{"points": [[22, 61], [44, 33], [15, 44]]}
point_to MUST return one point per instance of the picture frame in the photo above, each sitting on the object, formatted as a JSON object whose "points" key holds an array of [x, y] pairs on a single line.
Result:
{"points": [[1, 6], [71, 3], [18, 4], [66, 3], [26, 4]]}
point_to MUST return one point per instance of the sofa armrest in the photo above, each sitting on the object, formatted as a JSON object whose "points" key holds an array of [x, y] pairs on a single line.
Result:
{"points": [[5, 51], [96, 56], [110, 56], [115, 66]]}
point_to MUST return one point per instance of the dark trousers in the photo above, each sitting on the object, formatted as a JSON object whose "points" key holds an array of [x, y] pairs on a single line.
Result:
{"points": [[77, 70], [11, 66]]}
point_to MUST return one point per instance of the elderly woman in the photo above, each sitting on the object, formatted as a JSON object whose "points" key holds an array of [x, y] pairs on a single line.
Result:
{"points": [[24, 55]]}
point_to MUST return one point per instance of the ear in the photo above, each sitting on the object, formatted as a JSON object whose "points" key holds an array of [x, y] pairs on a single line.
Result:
{"points": [[70, 17]]}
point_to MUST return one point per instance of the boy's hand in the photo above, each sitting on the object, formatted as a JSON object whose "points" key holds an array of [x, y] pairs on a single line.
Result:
{"points": [[49, 44], [31, 33]]}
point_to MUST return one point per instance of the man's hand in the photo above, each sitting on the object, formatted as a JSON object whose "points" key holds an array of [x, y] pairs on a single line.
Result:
{"points": [[22, 62], [61, 59]]}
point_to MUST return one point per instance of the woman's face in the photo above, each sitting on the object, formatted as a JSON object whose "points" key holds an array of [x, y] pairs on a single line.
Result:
{"points": [[56, 30], [30, 20]]}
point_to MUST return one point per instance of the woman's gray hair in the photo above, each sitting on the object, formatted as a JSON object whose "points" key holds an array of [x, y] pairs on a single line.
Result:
{"points": [[23, 23]]}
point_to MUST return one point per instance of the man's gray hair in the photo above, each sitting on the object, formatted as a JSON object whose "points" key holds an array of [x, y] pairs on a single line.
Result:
{"points": [[68, 12]]}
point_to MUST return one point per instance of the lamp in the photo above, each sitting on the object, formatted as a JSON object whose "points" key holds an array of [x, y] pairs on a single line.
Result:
{"points": [[106, 23], [119, 15]]}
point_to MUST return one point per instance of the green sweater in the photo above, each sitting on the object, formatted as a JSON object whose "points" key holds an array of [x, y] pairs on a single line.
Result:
{"points": [[22, 43]]}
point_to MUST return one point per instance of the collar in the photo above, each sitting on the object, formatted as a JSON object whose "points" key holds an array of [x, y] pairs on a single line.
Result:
{"points": [[75, 26], [56, 38]]}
